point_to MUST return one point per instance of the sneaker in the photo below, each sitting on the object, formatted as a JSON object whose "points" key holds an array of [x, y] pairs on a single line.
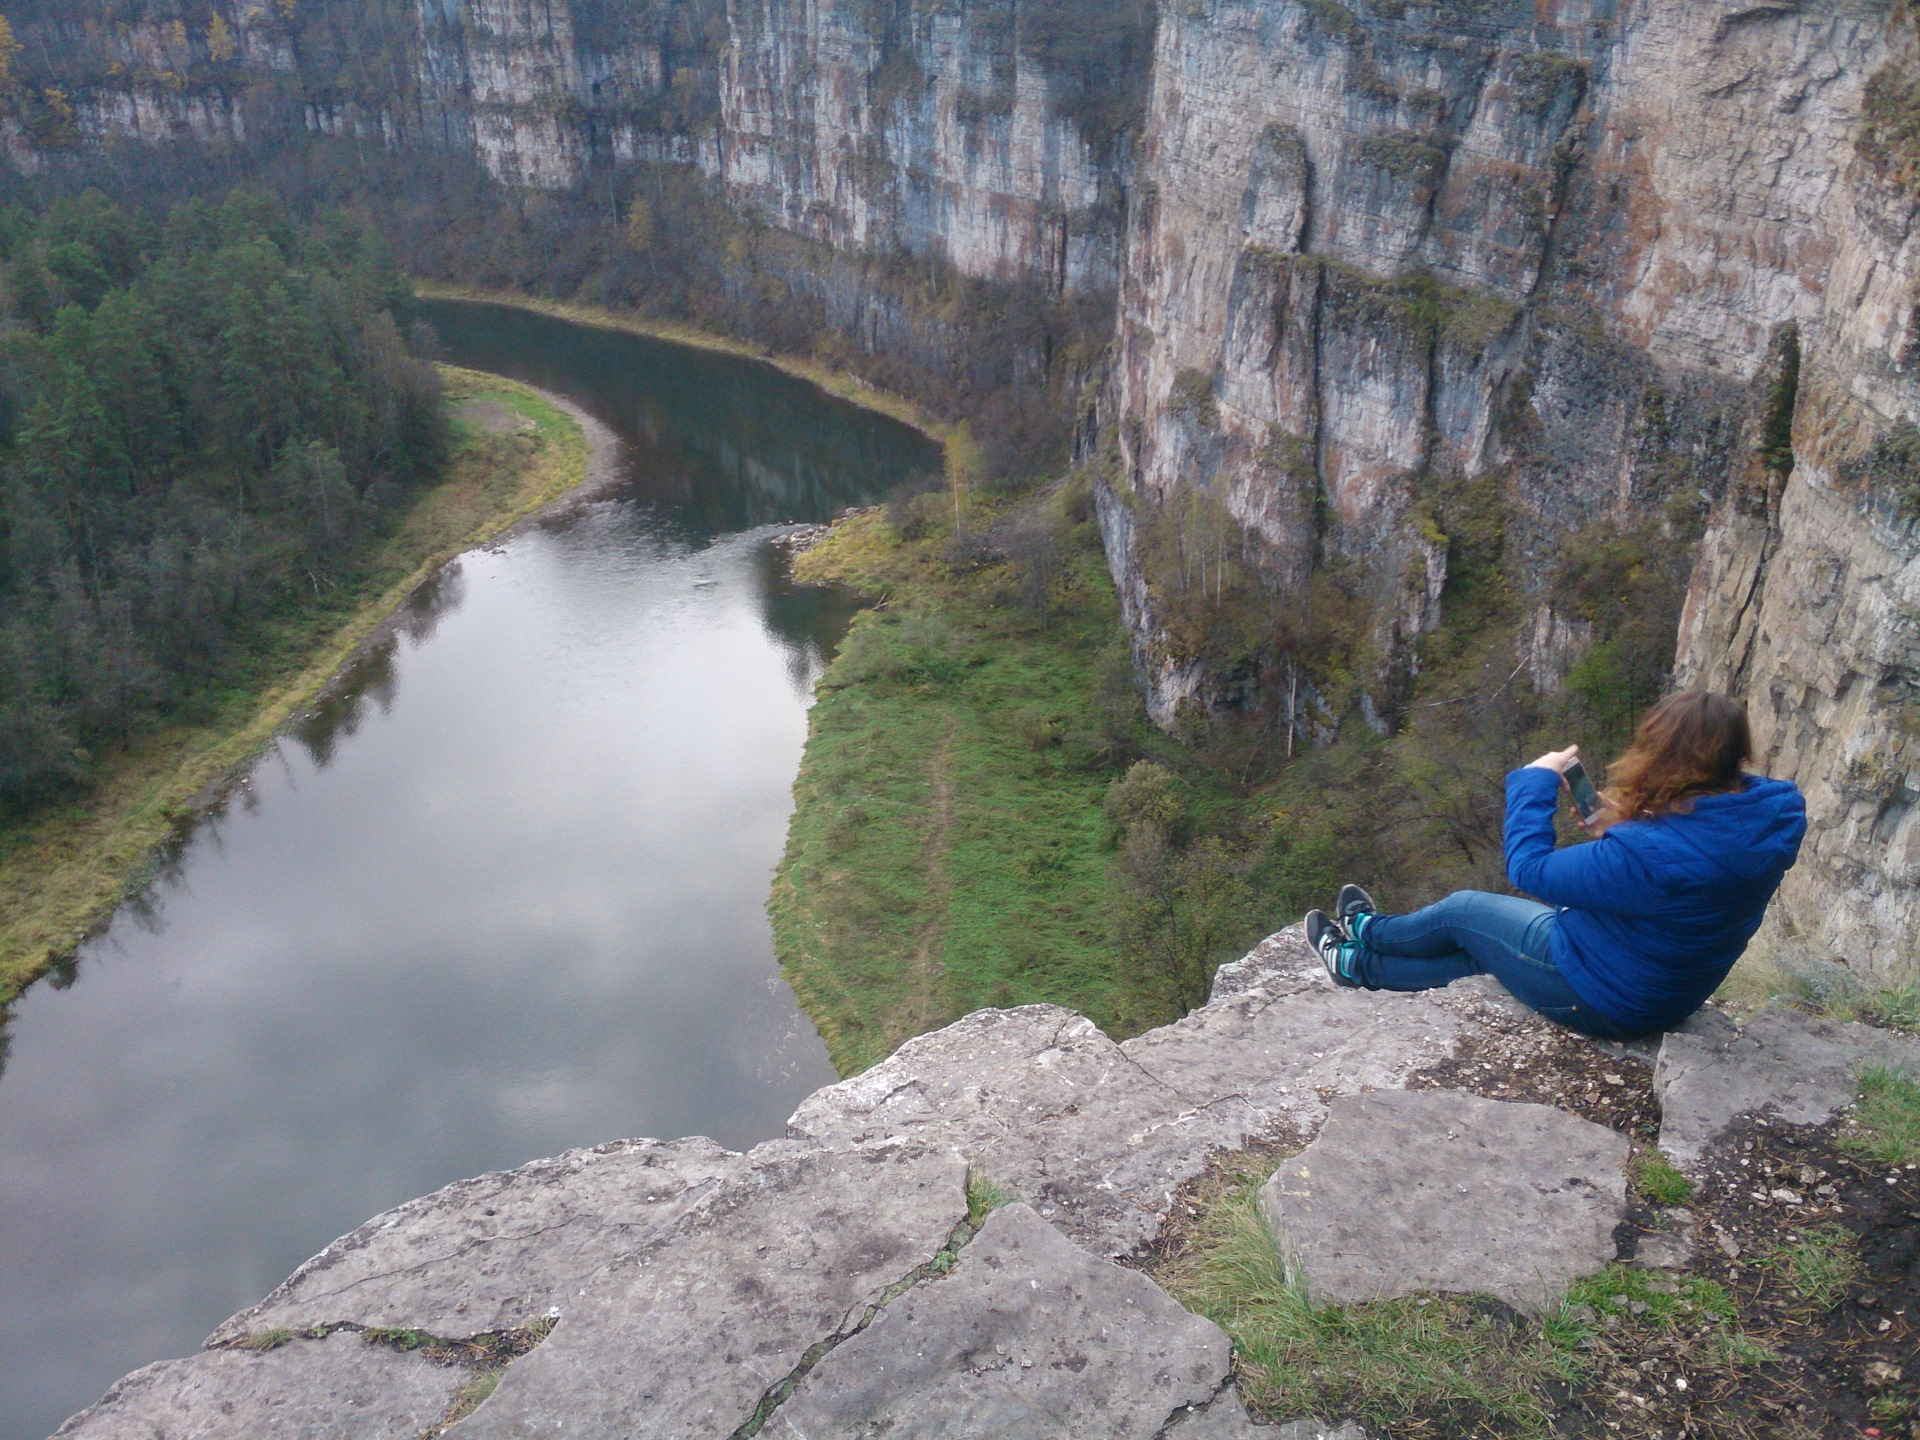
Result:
{"points": [[1329, 942], [1353, 909]]}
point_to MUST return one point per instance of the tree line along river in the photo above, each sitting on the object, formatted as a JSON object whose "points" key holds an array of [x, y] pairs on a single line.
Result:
{"points": [[502, 896]]}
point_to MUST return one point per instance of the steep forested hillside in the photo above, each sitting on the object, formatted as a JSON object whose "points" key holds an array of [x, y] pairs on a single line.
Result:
{"points": [[201, 421]]}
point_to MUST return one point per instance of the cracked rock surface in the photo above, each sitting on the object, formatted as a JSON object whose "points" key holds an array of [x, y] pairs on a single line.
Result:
{"points": [[1029, 1338], [683, 1338], [1097, 1135], [496, 1251], [1438, 1190], [1801, 1069], [339, 1388]]}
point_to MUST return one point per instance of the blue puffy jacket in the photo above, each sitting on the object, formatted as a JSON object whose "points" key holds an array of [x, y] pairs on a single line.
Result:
{"points": [[1655, 911]]}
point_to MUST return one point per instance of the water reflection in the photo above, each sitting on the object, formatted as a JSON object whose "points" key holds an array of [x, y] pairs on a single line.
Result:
{"points": [[501, 894], [714, 443], [370, 679]]}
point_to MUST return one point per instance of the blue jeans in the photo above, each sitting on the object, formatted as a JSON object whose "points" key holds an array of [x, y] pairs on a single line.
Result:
{"points": [[1474, 933]]}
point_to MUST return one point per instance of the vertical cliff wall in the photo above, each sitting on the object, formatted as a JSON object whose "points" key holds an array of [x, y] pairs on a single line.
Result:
{"points": [[1396, 244], [1620, 262]]}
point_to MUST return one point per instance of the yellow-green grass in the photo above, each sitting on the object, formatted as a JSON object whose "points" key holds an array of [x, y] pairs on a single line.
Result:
{"points": [[1768, 975], [944, 854], [1817, 1265], [67, 867], [1655, 1178]]}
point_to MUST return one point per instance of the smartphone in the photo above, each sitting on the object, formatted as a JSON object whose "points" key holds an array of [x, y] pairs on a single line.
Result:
{"points": [[1586, 799]]}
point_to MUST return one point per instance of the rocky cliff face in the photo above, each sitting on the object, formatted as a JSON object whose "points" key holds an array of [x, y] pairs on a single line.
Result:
{"points": [[1396, 245], [1383, 273], [1600, 257], [930, 131]]}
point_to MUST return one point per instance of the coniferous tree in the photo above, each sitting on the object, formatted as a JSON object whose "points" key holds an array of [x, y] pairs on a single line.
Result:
{"points": [[202, 422]]}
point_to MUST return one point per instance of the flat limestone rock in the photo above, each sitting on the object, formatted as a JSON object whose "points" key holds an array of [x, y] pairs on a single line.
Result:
{"points": [[1273, 1056], [1030, 1338], [1786, 1064], [1671, 1248], [497, 1251], [1438, 1190], [1283, 963], [683, 1339], [340, 1388], [1097, 1136], [1043, 1103]]}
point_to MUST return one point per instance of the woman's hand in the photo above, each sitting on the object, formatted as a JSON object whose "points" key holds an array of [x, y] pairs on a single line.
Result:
{"points": [[1557, 760]]}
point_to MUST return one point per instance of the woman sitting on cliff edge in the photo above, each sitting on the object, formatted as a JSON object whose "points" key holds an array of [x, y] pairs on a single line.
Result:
{"points": [[1640, 926]]}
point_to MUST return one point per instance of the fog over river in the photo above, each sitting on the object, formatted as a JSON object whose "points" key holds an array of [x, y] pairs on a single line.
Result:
{"points": [[505, 897]]}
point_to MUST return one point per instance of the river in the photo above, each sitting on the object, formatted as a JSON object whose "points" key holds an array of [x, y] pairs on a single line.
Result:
{"points": [[504, 896]]}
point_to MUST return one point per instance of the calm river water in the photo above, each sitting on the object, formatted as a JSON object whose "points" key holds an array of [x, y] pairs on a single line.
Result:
{"points": [[505, 898]]}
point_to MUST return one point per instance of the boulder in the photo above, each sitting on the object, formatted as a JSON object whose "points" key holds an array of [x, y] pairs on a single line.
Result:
{"points": [[1284, 961], [1795, 1067], [1272, 1057], [497, 1251], [1438, 1190], [339, 1388], [1029, 1338], [1042, 1102], [684, 1337], [1097, 1136]]}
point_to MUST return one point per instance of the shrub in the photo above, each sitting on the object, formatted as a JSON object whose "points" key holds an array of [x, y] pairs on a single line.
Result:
{"points": [[1146, 797]]}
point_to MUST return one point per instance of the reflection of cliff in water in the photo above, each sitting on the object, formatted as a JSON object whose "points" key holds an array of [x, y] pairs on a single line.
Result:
{"points": [[716, 442]]}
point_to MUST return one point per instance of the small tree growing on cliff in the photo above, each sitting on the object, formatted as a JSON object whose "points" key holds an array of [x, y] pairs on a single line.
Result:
{"points": [[9, 51], [220, 42]]}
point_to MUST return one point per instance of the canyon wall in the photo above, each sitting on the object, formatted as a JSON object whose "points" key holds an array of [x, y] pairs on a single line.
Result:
{"points": [[1634, 278], [1621, 262]]}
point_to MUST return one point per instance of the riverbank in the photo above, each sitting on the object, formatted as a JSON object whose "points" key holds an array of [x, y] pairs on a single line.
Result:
{"points": [[984, 815], [962, 455], [517, 452]]}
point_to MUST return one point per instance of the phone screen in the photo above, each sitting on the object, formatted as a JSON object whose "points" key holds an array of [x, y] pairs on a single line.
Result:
{"points": [[1586, 799]]}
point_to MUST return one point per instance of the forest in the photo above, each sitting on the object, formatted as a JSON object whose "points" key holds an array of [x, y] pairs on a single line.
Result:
{"points": [[204, 417]]}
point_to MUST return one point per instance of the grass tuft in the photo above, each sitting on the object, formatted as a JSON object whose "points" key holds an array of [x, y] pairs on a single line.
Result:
{"points": [[985, 1196], [1743, 1351], [264, 1340], [1898, 1008], [397, 1339], [1818, 1267], [1648, 1299], [1656, 1179], [466, 1401], [1888, 1116]]}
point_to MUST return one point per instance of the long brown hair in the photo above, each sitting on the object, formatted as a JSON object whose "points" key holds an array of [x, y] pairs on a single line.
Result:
{"points": [[1691, 744]]}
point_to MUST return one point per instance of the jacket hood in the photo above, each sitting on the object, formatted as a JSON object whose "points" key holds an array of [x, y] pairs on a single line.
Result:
{"points": [[1751, 832]]}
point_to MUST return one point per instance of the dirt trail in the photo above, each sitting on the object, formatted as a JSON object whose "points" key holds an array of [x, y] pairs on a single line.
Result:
{"points": [[924, 1009]]}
